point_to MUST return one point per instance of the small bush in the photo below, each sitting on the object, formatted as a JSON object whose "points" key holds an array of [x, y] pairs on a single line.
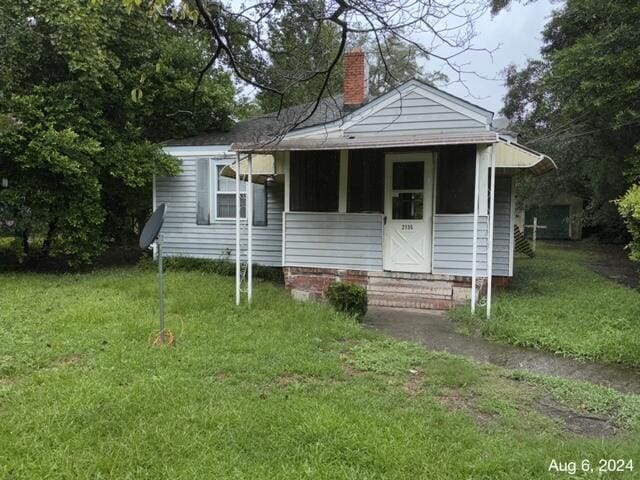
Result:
{"points": [[629, 208], [348, 297]]}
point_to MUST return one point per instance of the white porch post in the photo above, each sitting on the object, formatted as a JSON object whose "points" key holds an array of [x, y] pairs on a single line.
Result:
{"points": [[287, 187], [250, 231], [492, 191], [238, 229], [474, 248]]}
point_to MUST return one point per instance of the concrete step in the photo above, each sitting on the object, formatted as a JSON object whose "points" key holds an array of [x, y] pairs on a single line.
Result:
{"points": [[410, 301]]}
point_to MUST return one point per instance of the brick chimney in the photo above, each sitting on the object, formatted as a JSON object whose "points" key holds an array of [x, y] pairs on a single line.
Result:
{"points": [[356, 78]]}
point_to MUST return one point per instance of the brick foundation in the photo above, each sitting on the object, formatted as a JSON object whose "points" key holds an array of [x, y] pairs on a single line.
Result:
{"points": [[312, 283], [393, 289]]}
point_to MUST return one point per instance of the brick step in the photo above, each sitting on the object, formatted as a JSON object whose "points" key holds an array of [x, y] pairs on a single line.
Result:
{"points": [[410, 301], [409, 278], [413, 289]]}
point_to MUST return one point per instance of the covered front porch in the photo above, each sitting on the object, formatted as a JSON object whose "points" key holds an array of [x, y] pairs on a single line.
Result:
{"points": [[423, 222]]}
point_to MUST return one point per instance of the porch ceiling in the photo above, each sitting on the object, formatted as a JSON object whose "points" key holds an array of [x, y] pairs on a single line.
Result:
{"points": [[380, 141]]}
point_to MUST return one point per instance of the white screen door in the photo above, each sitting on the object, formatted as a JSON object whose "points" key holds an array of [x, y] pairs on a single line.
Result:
{"points": [[408, 209]]}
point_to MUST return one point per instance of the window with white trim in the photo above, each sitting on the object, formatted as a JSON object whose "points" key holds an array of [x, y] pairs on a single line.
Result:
{"points": [[225, 194], [216, 194]]}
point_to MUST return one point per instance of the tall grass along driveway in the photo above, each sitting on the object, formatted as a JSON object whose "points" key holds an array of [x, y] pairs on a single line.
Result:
{"points": [[280, 391], [557, 303]]}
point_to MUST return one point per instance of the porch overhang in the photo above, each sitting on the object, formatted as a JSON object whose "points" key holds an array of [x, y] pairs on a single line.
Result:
{"points": [[354, 143], [511, 155]]}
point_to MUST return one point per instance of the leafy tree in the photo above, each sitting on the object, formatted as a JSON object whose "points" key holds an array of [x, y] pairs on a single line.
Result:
{"points": [[90, 89], [393, 61], [299, 46], [581, 104], [285, 48]]}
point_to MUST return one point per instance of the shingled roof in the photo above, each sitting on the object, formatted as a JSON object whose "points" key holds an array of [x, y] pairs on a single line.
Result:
{"points": [[264, 127]]}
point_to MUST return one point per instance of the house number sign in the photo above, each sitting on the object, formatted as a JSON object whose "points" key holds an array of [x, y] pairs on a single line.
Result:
{"points": [[406, 226]]}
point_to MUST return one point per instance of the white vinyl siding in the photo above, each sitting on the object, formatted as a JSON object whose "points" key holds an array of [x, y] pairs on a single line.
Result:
{"points": [[453, 238], [414, 114], [502, 229], [453, 245], [184, 237], [333, 240]]}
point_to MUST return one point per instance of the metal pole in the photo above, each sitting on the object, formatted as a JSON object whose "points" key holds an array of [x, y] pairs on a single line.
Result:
{"points": [[492, 192], [474, 248], [250, 231], [535, 230], [238, 229], [161, 289]]}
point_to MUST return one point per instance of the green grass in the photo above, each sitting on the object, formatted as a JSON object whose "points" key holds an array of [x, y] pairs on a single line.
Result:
{"points": [[557, 304], [283, 390]]}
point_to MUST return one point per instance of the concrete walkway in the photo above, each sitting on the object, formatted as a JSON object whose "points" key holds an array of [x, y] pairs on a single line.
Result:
{"points": [[436, 332]]}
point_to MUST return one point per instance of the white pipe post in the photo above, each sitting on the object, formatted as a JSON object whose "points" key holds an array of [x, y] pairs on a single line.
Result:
{"points": [[238, 229], [474, 248], [250, 231], [492, 202]]}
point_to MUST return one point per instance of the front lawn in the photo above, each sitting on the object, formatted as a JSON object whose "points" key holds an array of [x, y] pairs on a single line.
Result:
{"points": [[557, 303], [281, 390]]}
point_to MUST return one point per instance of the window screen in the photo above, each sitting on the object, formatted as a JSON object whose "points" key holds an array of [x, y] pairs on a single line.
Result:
{"points": [[365, 181], [314, 181], [260, 205], [456, 179]]}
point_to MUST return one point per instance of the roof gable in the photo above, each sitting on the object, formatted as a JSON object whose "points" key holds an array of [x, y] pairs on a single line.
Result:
{"points": [[413, 107]]}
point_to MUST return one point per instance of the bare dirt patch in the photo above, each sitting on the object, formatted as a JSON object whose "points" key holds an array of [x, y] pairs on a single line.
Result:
{"points": [[71, 360], [578, 423], [288, 379], [7, 382], [456, 400], [414, 384]]}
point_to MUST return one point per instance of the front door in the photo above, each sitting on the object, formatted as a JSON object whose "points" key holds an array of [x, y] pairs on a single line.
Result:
{"points": [[408, 211]]}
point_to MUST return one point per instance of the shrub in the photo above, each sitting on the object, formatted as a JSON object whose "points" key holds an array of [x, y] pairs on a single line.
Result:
{"points": [[348, 297], [629, 208]]}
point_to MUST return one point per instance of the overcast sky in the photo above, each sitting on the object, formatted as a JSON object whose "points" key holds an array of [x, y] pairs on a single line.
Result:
{"points": [[518, 31]]}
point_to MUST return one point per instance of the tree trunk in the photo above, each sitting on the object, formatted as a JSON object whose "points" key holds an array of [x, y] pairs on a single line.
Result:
{"points": [[46, 245], [25, 242]]}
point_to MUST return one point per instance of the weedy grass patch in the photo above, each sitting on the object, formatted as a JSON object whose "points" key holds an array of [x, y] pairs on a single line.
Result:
{"points": [[558, 304], [281, 389]]}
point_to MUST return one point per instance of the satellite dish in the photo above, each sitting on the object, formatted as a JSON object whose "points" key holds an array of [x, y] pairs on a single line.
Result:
{"points": [[149, 234], [153, 226]]}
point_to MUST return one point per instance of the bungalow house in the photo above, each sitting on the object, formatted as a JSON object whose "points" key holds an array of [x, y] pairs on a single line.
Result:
{"points": [[409, 193]]}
